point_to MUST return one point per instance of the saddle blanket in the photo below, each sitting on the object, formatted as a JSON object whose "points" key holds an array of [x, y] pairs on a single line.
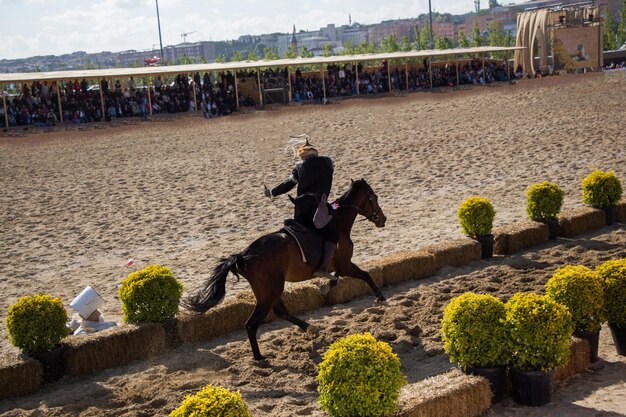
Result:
{"points": [[309, 242]]}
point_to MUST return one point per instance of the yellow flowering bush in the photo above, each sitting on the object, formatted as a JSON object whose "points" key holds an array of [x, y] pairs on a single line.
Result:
{"points": [[473, 331], [476, 215], [540, 330], [581, 290], [151, 294], [613, 275], [359, 376], [543, 201], [37, 323], [212, 401], [601, 189]]}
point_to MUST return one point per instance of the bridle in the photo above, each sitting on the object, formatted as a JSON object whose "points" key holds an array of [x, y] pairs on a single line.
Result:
{"points": [[374, 216]]}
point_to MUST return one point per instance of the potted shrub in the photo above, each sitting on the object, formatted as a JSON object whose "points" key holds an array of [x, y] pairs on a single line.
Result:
{"points": [[543, 203], [539, 331], [603, 190], [476, 215], [212, 401], [581, 290], [151, 294], [475, 338], [37, 324], [359, 376], [613, 274]]}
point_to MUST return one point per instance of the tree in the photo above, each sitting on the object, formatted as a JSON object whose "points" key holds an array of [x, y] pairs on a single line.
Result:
{"points": [[270, 53], [405, 44], [477, 39], [497, 37], [185, 60], [442, 43], [203, 60], [463, 41], [236, 56], [366, 48], [327, 49], [88, 65], [349, 48], [425, 37], [252, 55], [621, 27], [290, 53], [390, 43], [609, 31], [220, 59], [305, 53]]}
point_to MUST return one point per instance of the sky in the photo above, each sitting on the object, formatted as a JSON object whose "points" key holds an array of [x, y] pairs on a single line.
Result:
{"points": [[55, 27]]}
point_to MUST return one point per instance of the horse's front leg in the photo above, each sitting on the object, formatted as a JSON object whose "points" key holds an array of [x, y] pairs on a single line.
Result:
{"points": [[354, 271]]}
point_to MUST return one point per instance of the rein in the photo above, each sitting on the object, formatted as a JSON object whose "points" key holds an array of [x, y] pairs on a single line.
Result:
{"points": [[373, 217]]}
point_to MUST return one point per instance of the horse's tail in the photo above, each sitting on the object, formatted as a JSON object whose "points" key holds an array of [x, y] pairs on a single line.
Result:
{"points": [[214, 288]]}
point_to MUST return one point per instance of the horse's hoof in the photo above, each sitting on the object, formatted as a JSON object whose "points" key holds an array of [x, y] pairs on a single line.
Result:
{"points": [[381, 299], [324, 289], [312, 330], [259, 358]]}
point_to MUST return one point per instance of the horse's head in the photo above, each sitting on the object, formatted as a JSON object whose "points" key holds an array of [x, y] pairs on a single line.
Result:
{"points": [[366, 200]]}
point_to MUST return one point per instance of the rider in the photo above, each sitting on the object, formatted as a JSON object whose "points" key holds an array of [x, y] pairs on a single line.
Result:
{"points": [[314, 177]]}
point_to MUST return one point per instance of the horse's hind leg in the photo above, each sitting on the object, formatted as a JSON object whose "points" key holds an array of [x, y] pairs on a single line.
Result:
{"points": [[281, 311], [252, 326], [354, 271]]}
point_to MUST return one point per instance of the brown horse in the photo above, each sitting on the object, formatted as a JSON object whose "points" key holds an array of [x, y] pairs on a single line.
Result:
{"points": [[275, 258]]}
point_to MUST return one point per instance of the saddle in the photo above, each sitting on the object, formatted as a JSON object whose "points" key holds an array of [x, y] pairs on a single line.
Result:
{"points": [[310, 243]]}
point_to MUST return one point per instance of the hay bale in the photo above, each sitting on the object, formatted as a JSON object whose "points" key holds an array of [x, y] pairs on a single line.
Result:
{"points": [[581, 220], [401, 267], [301, 297], [456, 252], [515, 237], [19, 376], [91, 353], [347, 289], [452, 394], [578, 361], [227, 317], [621, 212]]}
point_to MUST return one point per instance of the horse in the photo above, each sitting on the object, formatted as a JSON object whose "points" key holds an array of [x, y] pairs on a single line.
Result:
{"points": [[272, 259]]}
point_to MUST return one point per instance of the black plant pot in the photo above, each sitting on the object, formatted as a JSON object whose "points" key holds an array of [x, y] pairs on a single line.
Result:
{"points": [[532, 388], [553, 227], [495, 376], [592, 338], [486, 246], [611, 215], [52, 363], [619, 338]]}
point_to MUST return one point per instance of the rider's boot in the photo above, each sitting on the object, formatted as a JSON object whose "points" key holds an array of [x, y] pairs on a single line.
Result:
{"points": [[322, 268]]}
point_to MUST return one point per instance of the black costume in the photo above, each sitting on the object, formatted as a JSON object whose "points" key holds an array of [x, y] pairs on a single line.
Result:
{"points": [[314, 177]]}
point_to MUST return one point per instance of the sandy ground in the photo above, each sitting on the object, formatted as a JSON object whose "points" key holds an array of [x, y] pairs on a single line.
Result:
{"points": [[76, 206]]}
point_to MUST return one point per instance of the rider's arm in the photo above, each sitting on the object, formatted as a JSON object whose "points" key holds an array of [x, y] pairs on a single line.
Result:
{"points": [[287, 185]]}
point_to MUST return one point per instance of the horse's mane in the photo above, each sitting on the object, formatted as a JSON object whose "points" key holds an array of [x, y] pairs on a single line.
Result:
{"points": [[354, 187]]}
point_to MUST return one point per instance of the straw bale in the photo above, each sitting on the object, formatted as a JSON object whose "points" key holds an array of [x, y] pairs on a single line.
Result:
{"points": [[581, 220], [401, 267], [120, 345], [227, 317], [452, 394], [456, 252], [515, 237], [19, 376], [347, 289], [621, 212], [301, 297], [578, 361]]}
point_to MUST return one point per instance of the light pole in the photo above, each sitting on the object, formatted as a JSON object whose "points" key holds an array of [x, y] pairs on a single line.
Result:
{"points": [[159, 24], [430, 16]]}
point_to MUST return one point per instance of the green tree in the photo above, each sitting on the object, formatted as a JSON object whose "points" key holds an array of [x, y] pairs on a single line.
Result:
{"points": [[463, 41], [349, 48], [425, 37], [290, 53], [305, 53], [477, 39], [390, 43], [88, 65], [236, 56], [270, 53], [366, 48], [497, 37], [252, 55], [621, 27], [405, 44], [327, 49], [220, 59], [185, 60], [609, 31], [203, 60], [441, 42]]}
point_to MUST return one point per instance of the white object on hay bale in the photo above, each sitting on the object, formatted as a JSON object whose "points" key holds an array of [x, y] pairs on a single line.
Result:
{"points": [[87, 302]]}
